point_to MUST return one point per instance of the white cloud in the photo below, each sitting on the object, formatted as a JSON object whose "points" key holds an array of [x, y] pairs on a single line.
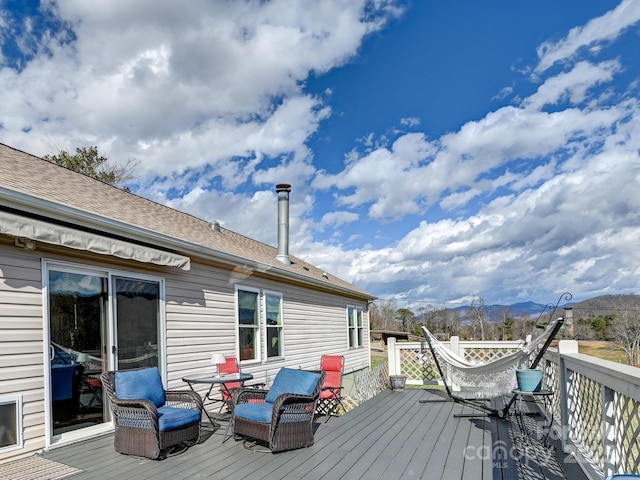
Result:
{"points": [[335, 219], [410, 122], [572, 85], [605, 28], [576, 231], [179, 86], [559, 209], [415, 173], [209, 96]]}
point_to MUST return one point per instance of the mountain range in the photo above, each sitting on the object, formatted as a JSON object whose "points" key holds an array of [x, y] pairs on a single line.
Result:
{"points": [[601, 305]]}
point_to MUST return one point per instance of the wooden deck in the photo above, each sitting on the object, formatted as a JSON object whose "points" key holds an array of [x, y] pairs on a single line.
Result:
{"points": [[391, 436]]}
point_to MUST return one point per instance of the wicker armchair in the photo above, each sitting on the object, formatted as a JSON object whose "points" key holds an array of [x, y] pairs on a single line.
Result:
{"points": [[148, 419], [282, 417]]}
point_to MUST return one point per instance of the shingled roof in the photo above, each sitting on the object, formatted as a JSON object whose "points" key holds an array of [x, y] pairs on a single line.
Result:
{"points": [[73, 195]]}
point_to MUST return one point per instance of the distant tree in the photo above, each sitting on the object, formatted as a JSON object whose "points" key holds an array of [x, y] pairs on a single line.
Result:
{"points": [[405, 317], [625, 331], [382, 314], [89, 162], [477, 314], [600, 324], [582, 329], [507, 328], [430, 317], [452, 321], [523, 325]]}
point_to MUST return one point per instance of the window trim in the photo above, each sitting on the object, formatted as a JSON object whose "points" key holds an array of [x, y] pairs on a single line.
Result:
{"points": [[260, 356], [281, 356], [355, 331], [19, 444], [257, 355]]}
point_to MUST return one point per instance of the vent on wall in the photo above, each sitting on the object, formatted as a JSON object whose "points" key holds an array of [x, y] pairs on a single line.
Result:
{"points": [[10, 423]]}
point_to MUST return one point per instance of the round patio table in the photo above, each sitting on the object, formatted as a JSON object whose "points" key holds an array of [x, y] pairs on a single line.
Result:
{"points": [[213, 380]]}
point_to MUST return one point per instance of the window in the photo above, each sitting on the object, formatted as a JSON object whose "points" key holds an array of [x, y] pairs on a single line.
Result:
{"points": [[355, 323], [248, 324], [273, 309], [10, 423], [260, 324]]}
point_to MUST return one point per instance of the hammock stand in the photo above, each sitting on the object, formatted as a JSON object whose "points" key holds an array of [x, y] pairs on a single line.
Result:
{"points": [[476, 403]]}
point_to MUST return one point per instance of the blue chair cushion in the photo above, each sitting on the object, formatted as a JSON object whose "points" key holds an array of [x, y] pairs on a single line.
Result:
{"points": [[62, 381], [289, 380], [170, 418], [257, 412], [145, 383]]}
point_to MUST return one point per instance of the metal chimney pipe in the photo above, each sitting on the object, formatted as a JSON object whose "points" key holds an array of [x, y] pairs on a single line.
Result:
{"points": [[283, 189]]}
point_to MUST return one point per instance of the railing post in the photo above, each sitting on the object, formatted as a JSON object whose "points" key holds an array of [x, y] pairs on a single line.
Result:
{"points": [[458, 349], [564, 347], [611, 457], [455, 347], [393, 356]]}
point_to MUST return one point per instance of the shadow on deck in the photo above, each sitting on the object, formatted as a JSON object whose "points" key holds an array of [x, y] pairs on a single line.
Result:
{"points": [[392, 436]]}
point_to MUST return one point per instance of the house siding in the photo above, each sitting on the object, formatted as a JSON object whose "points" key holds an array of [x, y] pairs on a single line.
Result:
{"points": [[21, 341], [200, 315], [201, 319]]}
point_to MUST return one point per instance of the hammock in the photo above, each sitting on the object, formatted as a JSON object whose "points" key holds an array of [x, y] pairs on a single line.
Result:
{"points": [[490, 379]]}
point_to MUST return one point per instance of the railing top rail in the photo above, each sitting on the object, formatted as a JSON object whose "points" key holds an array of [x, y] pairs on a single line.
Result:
{"points": [[622, 378], [467, 344]]}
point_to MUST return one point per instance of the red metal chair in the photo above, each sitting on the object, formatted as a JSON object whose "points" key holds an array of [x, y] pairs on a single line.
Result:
{"points": [[331, 393], [227, 389]]}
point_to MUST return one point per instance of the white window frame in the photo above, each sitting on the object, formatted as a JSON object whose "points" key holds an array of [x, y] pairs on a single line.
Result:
{"points": [[261, 350], [17, 400], [266, 358], [355, 326], [258, 334]]}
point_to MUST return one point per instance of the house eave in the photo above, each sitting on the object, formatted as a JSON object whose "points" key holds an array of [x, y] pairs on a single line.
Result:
{"points": [[110, 227]]}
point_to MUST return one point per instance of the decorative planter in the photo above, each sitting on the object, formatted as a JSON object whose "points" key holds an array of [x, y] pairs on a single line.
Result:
{"points": [[529, 380], [397, 382]]}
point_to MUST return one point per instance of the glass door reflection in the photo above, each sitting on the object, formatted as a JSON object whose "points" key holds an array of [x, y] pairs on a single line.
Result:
{"points": [[77, 326]]}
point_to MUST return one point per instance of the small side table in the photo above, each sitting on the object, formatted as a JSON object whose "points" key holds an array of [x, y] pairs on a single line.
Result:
{"points": [[543, 397], [213, 380]]}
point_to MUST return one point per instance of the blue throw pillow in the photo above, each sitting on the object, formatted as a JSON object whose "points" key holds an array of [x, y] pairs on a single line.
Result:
{"points": [[289, 380], [145, 383]]}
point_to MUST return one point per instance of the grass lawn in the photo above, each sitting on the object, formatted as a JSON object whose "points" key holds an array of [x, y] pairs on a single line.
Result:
{"points": [[603, 350], [377, 360]]}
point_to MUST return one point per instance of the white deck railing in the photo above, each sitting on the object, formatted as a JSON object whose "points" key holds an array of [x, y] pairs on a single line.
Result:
{"points": [[596, 402]]}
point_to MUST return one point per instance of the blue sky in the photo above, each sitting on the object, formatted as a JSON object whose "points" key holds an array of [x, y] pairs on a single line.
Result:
{"points": [[438, 151]]}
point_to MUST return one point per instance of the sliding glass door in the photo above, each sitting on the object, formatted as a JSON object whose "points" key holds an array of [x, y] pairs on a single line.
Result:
{"points": [[97, 321]]}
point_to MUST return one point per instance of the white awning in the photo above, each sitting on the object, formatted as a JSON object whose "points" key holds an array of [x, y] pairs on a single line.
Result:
{"points": [[24, 227]]}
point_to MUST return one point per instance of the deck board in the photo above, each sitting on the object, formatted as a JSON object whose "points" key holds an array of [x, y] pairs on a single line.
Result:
{"points": [[391, 436]]}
